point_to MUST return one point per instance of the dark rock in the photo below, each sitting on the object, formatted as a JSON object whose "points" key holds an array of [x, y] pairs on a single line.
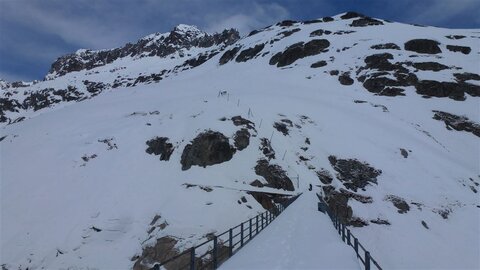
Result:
{"points": [[318, 64], [356, 222], [163, 249], [312, 21], [359, 101], [242, 139], [160, 146], [443, 212], [274, 175], [327, 19], [459, 123], [200, 59], [229, 55], [254, 32], [425, 225], [208, 148], [281, 127], [249, 53], [338, 204], [343, 32], [240, 121], [256, 183], [299, 50], [362, 22], [399, 203], [350, 15], [267, 149], [462, 49], [345, 79], [357, 197], [466, 76], [423, 46], [433, 66], [455, 37], [286, 23], [386, 46], [288, 32], [334, 72], [320, 32], [353, 173], [3, 137], [451, 90], [404, 152], [380, 221]]}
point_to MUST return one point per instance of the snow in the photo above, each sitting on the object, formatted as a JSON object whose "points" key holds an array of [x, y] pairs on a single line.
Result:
{"points": [[50, 198], [300, 238]]}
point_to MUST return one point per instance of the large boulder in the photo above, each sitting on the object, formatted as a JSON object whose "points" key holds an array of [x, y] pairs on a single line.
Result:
{"points": [[160, 146], [208, 148], [423, 46]]}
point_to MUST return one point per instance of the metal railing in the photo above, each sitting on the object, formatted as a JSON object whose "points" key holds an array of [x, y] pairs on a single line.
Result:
{"points": [[347, 237], [225, 245]]}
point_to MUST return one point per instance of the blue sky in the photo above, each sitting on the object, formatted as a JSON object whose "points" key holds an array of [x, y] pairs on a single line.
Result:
{"points": [[34, 33]]}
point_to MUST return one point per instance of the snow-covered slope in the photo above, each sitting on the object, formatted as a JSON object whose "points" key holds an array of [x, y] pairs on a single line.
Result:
{"points": [[385, 128]]}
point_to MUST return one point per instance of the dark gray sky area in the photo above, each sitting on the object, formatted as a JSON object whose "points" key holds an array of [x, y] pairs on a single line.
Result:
{"points": [[34, 33]]}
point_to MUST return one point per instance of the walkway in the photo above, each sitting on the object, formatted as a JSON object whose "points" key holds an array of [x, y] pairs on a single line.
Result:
{"points": [[300, 238]]}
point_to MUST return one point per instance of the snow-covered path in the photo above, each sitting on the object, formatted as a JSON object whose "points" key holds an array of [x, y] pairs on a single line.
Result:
{"points": [[300, 238]]}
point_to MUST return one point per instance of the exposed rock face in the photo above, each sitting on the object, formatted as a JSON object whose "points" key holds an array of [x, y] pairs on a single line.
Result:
{"points": [[274, 174], [459, 123], [451, 90], [318, 64], [163, 249], [320, 32], [267, 149], [386, 46], [351, 15], [249, 53], [433, 66], [423, 46], [338, 204], [299, 50], [366, 21], [153, 45], [208, 148], [345, 79], [353, 173], [325, 176], [466, 76], [242, 139], [229, 55], [399, 203], [160, 146], [462, 49], [240, 121]]}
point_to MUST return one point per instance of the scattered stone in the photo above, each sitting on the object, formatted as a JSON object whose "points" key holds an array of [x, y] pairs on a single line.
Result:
{"points": [[229, 55], [320, 32], [208, 148], [425, 225], [423, 46], [318, 64], [87, 158], [275, 176], [399, 203], [443, 212], [404, 152], [109, 142], [240, 121], [353, 173], [249, 53], [160, 146], [244, 200], [433, 66], [345, 79], [459, 123], [386, 46], [357, 222], [359, 101], [462, 49], [380, 221], [307, 141], [299, 50], [281, 127], [242, 139], [455, 36], [266, 148]]}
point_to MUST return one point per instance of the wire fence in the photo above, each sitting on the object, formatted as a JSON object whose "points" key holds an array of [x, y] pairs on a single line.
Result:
{"points": [[362, 254], [223, 246]]}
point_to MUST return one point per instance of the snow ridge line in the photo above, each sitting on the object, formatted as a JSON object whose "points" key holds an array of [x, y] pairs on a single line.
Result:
{"points": [[218, 250], [346, 235]]}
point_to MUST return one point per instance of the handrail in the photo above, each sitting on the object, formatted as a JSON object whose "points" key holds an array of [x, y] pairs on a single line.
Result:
{"points": [[346, 234], [253, 227]]}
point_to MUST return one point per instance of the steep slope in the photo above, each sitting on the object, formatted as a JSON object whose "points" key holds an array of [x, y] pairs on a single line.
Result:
{"points": [[385, 127]]}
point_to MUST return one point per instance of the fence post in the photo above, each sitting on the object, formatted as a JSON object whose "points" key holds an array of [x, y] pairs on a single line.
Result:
{"points": [[250, 229], [263, 222], [241, 234], [192, 258], [256, 227], [355, 245], [367, 260], [230, 241], [215, 252], [348, 238], [343, 232]]}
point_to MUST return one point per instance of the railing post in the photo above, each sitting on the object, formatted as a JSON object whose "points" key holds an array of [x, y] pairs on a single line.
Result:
{"points": [[348, 238], [192, 258], [250, 229], [355, 245], [230, 241], [263, 221], [241, 234], [215, 253], [367, 260], [343, 232], [256, 227]]}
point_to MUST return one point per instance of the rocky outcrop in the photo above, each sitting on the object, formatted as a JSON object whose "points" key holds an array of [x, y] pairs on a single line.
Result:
{"points": [[229, 55], [299, 50], [399, 203], [345, 79], [267, 149], [433, 66], [249, 53], [208, 148], [241, 139], [274, 175], [318, 64], [462, 49], [459, 123], [353, 173], [386, 46], [427, 46], [366, 21], [160, 146]]}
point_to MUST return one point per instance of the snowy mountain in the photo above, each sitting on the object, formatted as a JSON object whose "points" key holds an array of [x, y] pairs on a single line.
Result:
{"points": [[123, 157]]}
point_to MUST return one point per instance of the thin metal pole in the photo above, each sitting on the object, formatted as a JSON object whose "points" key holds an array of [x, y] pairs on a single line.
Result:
{"points": [[256, 227], [343, 232], [348, 237], [241, 234], [250, 229]]}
